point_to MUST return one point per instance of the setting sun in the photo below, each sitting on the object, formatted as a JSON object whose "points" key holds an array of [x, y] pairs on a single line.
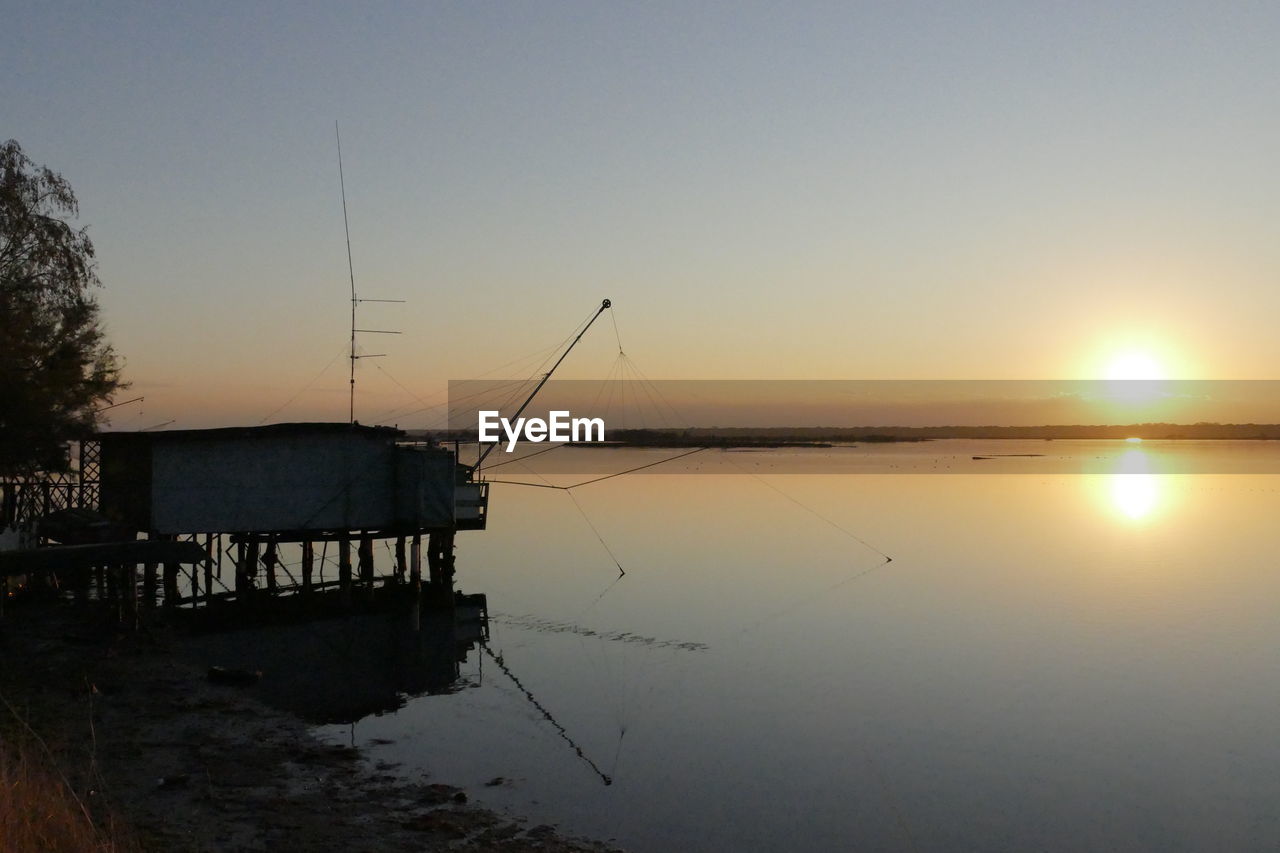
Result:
{"points": [[1134, 365]]}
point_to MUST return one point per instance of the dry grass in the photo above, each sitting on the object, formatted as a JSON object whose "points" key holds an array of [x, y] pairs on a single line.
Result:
{"points": [[40, 810]]}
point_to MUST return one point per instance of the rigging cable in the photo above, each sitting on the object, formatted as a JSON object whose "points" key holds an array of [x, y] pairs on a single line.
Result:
{"points": [[613, 316], [604, 544], [400, 384], [528, 456], [606, 476], [544, 355], [816, 514], [621, 571], [304, 389], [638, 468]]}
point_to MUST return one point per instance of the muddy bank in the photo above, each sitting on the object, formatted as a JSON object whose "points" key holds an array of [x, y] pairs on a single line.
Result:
{"points": [[194, 766]]}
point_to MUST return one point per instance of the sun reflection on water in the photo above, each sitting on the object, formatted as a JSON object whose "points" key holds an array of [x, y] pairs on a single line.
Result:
{"points": [[1136, 493]]}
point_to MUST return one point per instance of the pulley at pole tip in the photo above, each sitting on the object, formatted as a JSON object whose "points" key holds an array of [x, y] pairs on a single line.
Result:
{"points": [[605, 304]]}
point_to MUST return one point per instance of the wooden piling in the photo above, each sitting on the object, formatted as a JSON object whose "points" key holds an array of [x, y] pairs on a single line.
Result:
{"points": [[446, 556], [171, 571], [80, 588], [149, 581], [308, 564], [344, 567], [129, 598], [208, 571], [250, 566], [366, 560], [195, 572], [433, 557], [415, 566], [111, 574], [211, 543], [269, 559], [440, 566], [246, 567], [400, 558]]}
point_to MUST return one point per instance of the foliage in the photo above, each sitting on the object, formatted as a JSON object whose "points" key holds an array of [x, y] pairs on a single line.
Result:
{"points": [[56, 367]]}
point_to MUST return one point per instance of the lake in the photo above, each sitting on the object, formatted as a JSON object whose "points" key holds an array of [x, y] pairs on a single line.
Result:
{"points": [[1067, 651]]}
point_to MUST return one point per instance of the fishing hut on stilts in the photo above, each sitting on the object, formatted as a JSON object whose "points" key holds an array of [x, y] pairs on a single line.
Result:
{"points": [[330, 493]]}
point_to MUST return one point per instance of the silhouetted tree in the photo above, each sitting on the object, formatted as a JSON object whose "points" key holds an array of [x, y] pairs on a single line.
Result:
{"points": [[56, 367]]}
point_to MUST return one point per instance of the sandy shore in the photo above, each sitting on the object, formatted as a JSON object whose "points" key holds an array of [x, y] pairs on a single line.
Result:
{"points": [[193, 766]]}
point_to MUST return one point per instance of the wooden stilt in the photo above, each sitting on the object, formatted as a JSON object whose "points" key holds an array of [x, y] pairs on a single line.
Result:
{"points": [[252, 552], [440, 565], [171, 571], [195, 572], [446, 559], [269, 559], [208, 571], [344, 567], [246, 567], [149, 580], [446, 554], [240, 552], [433, 558], [81, 588], [400, 558], [213, 542], [129, 599], [308, 564], [366, 560], [415, 564], [112, 576], [171, 582]]}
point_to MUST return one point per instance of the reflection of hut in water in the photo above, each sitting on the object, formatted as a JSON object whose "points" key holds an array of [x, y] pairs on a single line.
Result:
{"points": [[341, 669]]}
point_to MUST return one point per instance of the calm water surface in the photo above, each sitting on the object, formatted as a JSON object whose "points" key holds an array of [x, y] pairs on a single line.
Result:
{"points": [[1050, 661]]}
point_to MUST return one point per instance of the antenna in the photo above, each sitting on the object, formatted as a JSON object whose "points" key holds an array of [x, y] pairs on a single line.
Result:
{"points": [[355, 301]]}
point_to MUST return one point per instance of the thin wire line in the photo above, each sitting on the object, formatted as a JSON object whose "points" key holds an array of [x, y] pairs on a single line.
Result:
{"points": [[523, 458], [583, 513], [638, 468], [545, 485], [613, 315], [305, 388], [815, 513]]}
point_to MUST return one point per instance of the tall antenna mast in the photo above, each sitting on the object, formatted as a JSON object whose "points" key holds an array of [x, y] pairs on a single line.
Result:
{"points": [[355, 301]]}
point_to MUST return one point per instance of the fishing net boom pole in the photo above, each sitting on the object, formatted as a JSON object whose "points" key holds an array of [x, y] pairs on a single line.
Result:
{"points": [[603, 306]]}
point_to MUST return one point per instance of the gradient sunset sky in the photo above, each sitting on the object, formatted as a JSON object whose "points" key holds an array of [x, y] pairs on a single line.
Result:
{"points": [[780, 190]]}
